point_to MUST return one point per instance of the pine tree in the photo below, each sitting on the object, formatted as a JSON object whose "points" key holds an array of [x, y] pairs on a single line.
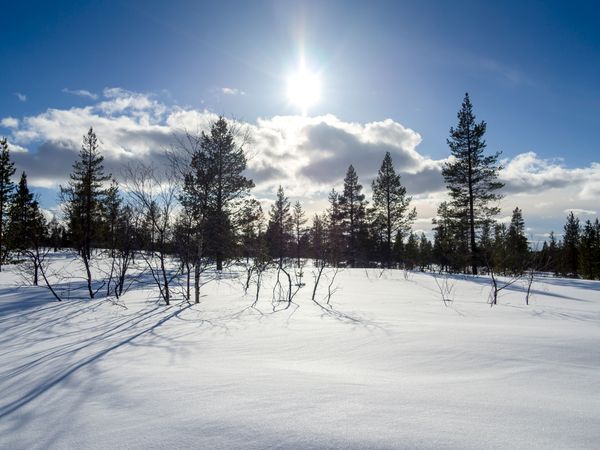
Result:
{"points": [[334, 229], [411, 251], [251, 224], [499, 255], [7, 170], [353, 212], [84, 198], [471, 176], [516, 244], [589, 250], [279, 230], [299, 220], [26, 228], [553, 254], [425, 252], [391, 205], [570, 246], [218, 170]]}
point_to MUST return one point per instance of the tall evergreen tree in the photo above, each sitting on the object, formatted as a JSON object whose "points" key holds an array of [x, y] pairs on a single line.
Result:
{"points": [[299, 220], [353, 212], [391, 205], [588, 250], [570, 246], [471, 176], [7, 170], [334, 229], [26, 228], [279, 230], [516, 243], [217, 175], [84, 199]]}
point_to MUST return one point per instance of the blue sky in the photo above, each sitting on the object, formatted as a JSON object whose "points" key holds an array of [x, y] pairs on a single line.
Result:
{"points": [[532, 68]]}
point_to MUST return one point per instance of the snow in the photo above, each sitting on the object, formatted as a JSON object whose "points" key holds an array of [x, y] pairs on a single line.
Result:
{"points": [[390, 366]]}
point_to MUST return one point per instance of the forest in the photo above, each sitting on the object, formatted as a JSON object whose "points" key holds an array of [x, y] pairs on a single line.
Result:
{"points": [[196, 216]]}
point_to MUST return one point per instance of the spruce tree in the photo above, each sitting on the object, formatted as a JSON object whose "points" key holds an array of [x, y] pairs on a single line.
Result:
{"points": [[84, 201], [570, 246], [471, 176], [391, 205], [334, 229], [7, 170], [586, 250], [353, 212], [516, 243], [279, 230], [299, 220], [26, 228], [218, 168]]}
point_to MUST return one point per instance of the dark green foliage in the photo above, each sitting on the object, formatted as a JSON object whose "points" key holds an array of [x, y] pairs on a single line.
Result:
{"points": [[589, 251], [84, 199], [85, 195], [280, 227], [213, 185], [334, 229], [352, 206], [471, 177], [425, 252], [298, 221], [7, 170], [517, 248], [391, 206], [411, 252], [570, 247], [26, 228]]}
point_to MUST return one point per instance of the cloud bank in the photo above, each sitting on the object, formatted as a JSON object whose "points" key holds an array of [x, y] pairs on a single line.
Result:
{"points": [[307, 155]]}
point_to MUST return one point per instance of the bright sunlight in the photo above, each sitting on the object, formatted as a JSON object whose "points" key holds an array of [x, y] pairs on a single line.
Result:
{"points": [[304, 89]]}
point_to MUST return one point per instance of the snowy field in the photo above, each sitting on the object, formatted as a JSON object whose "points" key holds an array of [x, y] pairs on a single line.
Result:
{"points": [[388, 367]]}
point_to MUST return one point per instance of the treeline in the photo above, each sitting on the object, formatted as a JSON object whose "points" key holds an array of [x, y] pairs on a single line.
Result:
{"points": [[197, 211]]}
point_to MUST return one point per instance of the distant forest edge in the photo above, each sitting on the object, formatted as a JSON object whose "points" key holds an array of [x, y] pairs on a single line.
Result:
{"points": [[197, 212]]}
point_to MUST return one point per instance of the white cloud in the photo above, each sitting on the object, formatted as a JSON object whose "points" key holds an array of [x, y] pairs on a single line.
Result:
{"points": [[580, 212], [21, 97], [80, 93], [232, 91], [9, 122]]}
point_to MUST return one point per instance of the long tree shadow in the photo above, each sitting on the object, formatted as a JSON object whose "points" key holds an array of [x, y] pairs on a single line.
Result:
{"points": [[62, 374]]}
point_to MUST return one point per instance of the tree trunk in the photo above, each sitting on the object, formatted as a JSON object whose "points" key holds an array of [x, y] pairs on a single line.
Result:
{"points": [[86, 263]]}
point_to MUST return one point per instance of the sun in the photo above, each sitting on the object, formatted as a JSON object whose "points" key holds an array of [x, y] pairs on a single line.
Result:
{"points": [[304, 89]]}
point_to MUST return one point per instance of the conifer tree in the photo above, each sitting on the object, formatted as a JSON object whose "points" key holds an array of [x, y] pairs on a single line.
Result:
{"points": [[279, 230], [218, 168], [516, 243], [7, 170], [471, 176], [26, 228], [425, 252], [570, 246], [411, 251], [334, 229], [553, 254], [84, 199], [391, 205], [299, 220], [353, 212]]}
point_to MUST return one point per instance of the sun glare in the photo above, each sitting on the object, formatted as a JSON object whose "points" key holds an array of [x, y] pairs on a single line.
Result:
{"points": [[304, 89]]}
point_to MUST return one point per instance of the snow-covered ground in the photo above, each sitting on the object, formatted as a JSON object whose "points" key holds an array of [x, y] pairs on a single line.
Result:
{"points": [[389, 367]]}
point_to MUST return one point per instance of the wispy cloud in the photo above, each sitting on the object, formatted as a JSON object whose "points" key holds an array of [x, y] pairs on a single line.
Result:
{"points": [[232, 91], [80, 93], [9, 122], [580, 212], [21, 97]]}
